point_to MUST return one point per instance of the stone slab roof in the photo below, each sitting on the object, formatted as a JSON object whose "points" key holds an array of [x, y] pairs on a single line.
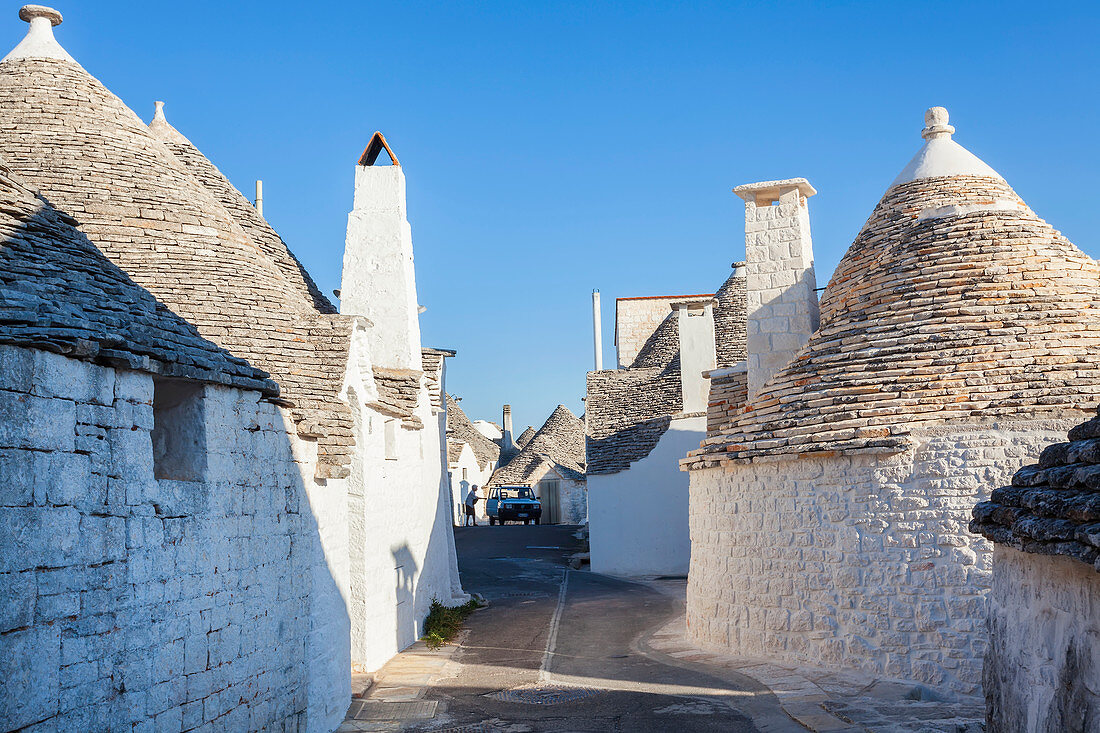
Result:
{"points": [[454, 450], [242, 210], [525, 437], [91, 157], [559, 443], [459, 428], [955, 303], [1052, 507], [60, 294], [628, 410], [432, 361]]}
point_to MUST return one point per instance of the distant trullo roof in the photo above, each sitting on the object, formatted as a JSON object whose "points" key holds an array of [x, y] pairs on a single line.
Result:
{"points": [[559, 442], [461, 429], [955, 303], [525, 437], [59, 293]]}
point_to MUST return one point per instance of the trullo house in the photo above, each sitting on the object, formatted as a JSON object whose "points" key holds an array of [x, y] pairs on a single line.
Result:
{"points": [[958, 337], [218, 494], [644, 416]]}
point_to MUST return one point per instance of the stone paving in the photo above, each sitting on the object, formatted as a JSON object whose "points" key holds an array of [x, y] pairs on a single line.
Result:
{"points": [[396, 696], [823, 701], [828, 700]]}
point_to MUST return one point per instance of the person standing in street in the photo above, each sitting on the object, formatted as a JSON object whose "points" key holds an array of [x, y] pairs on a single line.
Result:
{"points": [[471, 505]]}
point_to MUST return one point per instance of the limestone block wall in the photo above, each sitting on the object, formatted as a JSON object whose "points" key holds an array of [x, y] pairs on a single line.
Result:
{"points": [[574, 501], [638, 518], [401, 533], [781, 304], [1042, 670], [128, 601], [635, 321], [855, 561]]}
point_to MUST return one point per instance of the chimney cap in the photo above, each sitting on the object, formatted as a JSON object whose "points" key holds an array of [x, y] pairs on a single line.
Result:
{"points": [[28, 13], [935, 124], [773, 189]]}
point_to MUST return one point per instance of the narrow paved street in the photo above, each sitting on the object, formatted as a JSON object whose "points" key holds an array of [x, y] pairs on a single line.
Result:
{"points": [[563, 650]]}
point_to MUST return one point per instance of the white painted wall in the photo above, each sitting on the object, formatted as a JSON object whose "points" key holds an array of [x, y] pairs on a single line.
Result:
{"points": [[402, 539], [856, 561], [638, 518], [215, 603], [476, 476], [1042, 670], [695, 324]]}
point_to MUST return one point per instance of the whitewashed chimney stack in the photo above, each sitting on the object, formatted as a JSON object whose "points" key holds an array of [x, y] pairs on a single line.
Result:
{"points": [[695, 322], [378, 280], [781, 296]]}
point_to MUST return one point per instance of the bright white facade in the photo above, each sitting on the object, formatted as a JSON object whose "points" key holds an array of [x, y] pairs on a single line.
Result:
{"points": [[401, 538], [638, 518]]}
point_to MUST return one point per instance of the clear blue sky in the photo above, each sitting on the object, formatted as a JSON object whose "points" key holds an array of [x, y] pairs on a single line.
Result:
{"points": [[552, 148]]}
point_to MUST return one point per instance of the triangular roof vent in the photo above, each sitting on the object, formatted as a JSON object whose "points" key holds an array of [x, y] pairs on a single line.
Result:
{"points": [[374, 148]]}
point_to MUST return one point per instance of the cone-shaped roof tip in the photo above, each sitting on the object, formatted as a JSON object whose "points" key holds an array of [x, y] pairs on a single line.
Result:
{"points": [[942, 156], [39, 42]]}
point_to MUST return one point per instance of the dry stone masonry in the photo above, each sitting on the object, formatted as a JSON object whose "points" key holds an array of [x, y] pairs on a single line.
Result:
{"points": [[218, 494], [1042, 669], [958, 338]]}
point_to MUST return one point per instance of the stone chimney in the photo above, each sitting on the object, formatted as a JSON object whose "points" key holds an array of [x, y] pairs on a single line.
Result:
{"points": [[695, 322], [781, 300], [378, 280], [506, 434]]}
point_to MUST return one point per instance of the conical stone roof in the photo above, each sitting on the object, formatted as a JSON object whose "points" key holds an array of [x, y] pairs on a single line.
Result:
{"points": [[59, 293], [955, 303], [559, 442], [91, 157], [460, 428]]}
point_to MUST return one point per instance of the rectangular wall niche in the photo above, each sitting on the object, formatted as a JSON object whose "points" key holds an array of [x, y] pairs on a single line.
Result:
{"points": [[179, 430]]}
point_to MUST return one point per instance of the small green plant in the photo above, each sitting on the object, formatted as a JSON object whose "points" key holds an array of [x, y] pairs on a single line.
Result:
{"points": [[444, 622]]}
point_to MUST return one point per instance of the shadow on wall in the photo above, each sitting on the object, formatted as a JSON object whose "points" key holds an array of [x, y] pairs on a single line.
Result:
{"points": [[212, 594], [406, 571]]}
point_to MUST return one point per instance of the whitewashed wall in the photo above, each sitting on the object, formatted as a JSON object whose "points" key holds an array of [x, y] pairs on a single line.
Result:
{"points": [[862, 561], [1042, 670], [638, 518], [402, 540], [170, 605], [476, 475]]}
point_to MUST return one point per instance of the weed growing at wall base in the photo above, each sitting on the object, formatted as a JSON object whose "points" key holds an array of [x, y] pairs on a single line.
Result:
{"points": [[443, 623]]}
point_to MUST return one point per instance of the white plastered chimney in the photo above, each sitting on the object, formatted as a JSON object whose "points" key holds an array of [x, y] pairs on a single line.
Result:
{"points": [[781, 296], [695, 322], [378, 279]]}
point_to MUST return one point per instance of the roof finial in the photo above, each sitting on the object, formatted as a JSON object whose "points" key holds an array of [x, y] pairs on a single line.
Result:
{"points": [[935, 124], [30, 12], [158, 114], [39, 42]]}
